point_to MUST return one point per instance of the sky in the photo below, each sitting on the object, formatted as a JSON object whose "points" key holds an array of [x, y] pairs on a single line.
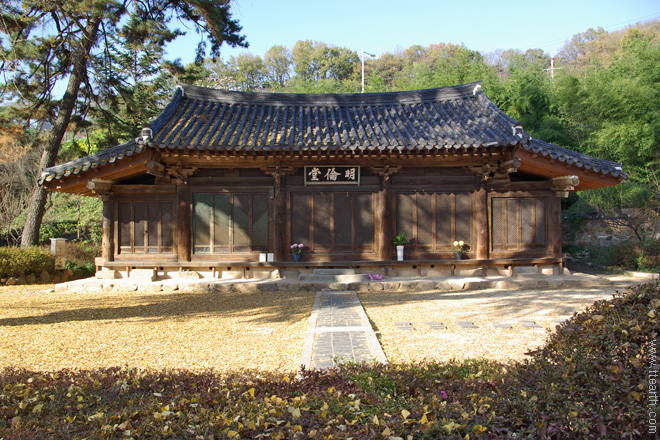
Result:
{"points": [[380, 26]]}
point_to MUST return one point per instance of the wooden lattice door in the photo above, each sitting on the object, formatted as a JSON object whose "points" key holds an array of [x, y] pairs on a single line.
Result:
{"points": [[334, 225]]}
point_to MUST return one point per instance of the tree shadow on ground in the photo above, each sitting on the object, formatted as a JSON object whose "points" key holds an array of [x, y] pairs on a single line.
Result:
{"points": [[500, 303], [260, 307]]}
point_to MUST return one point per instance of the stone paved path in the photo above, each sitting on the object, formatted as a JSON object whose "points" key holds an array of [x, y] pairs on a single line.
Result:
{"points": [[339, 331]]}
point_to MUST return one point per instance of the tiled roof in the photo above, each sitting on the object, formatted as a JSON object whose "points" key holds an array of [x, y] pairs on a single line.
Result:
{"points": [[109, 155], [569, 157], [448, 118]]}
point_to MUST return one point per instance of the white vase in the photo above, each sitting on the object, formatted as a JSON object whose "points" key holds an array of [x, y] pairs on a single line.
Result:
{"points": [[399, 253]]}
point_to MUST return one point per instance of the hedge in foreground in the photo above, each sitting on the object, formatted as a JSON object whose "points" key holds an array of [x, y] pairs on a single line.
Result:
{"points": [[589, 381]]}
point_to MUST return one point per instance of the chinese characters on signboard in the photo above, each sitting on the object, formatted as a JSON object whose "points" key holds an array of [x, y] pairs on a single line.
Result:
{"points": [[337, 174]]}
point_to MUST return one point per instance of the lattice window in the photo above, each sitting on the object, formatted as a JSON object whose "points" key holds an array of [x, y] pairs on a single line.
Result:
{"points": [[518, 223], [333, 222], [146, 227], [433, 221], [230, 223]]}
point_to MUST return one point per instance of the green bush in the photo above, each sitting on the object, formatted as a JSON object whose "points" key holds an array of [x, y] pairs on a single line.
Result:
{"points": [[20, 261], [644, 256]]}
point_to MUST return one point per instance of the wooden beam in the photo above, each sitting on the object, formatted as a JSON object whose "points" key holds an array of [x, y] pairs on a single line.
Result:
{"points": [[155, 168]]}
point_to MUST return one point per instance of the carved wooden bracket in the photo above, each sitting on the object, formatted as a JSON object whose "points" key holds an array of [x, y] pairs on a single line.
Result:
{"points": [[180, 174], [487, 171], [102, 188], [565, 184], [155, 168], [386, 171], [277, 172]]}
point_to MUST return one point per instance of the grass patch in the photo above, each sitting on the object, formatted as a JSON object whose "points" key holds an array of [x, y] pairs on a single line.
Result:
{"points": [[588, 381]]}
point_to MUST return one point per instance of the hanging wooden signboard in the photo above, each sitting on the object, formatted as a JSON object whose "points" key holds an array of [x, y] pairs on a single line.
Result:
{"points": [[332, 175]]}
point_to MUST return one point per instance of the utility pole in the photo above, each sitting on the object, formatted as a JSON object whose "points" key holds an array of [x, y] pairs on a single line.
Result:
{"points": [[552, 67], [363, 54]]}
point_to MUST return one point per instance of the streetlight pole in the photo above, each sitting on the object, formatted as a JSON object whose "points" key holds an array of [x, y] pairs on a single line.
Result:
{"points": [[363, 54]]}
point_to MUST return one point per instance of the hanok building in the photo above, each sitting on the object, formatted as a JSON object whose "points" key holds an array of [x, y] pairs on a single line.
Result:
{"points": [[226, 181]]}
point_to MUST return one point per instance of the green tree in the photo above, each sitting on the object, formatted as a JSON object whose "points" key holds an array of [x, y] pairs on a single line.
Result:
{"points": [[277, 61], [49, 42], [247, 72]]}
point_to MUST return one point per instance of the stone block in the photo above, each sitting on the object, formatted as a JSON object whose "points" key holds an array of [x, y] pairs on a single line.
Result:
{"points": [[190, 275], [391, 286], [469, 272], [333, 272], [44, 277], [287, 287], [376, 287], [526, 272], [313, 287], [443, 285], [231, 274], [126, 288], [107, 274], [142, 275], [150, 288], [267, 287], [194, 287], [169, 288], [245, 288], [424, 285], [31, 278]]}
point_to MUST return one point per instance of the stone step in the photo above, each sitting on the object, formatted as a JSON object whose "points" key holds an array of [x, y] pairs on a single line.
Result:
{"points": [[339, 278], [321, 271]]}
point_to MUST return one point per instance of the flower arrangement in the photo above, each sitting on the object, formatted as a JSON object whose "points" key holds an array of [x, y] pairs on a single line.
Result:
{"points": [[459, 247], [296, 249]]}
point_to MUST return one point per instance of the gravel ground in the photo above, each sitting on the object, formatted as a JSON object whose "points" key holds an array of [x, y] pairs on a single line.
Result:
{"points": [[484, 308], [44, 330], [47, 331]]}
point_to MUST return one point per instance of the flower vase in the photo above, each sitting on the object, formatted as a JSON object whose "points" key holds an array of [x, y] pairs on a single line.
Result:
{"points": [[399, 253], [458, 255], [296, 257]]}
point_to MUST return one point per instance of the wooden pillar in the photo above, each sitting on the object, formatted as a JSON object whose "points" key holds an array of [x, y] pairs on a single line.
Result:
{"points": [[183, 229], [481, 220], [103, 188], [280, 219], [108, 239], [554, 226], [280, 215], [384, 221]]}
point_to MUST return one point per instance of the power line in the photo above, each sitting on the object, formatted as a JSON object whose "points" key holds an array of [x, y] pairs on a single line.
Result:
{"points": [[614, 27]]}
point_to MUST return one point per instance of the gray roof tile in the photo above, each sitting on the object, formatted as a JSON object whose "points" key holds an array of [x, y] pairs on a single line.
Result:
{"points": [[202, 119]]}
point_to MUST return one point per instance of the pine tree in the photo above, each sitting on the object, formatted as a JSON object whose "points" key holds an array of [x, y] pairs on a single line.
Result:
{"points": [[47, 43]]}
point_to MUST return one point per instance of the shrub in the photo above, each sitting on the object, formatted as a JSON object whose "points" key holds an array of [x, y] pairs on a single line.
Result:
{"points": [[644, 256], [20, 261], [588, 382]]}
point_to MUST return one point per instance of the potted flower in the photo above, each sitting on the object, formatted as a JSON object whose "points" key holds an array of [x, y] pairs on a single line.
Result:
{"points": [[399, 241], [459, 249], [296, 250]]}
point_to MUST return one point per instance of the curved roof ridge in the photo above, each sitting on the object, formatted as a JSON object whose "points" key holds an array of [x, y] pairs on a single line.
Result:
{"points": [[325, 99]]}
